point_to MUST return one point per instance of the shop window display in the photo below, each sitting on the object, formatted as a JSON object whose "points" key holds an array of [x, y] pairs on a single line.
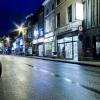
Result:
{"points": [[75, 51], [68, 50], [40, 50], [98, 45], [61, 50], [48, 49]]}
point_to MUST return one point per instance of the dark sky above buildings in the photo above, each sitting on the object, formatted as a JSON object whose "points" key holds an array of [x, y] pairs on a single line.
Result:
{"points": [[15, 11]]}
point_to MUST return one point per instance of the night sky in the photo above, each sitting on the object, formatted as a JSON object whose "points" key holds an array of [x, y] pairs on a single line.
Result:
{"points": [[15, 11]]}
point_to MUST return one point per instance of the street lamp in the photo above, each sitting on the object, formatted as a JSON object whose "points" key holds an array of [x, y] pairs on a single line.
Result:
{"points": [[8, 40], [20, 28]]}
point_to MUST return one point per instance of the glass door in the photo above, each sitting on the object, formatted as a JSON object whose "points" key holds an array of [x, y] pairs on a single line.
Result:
{"points": [[40, 50]]}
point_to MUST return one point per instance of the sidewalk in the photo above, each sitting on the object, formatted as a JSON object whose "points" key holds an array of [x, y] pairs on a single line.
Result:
{"points": [[87, 63]]}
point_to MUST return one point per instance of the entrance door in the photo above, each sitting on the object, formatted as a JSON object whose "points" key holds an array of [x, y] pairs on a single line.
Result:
{"points": [[61, 50], [40, 50]]}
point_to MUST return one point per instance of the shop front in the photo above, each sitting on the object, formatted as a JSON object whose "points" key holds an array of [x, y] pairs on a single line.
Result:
{"points": [[41, 46], [49, 44], [68, 42], [91, 47], [38, 47], [68, 47], [29, 50]]}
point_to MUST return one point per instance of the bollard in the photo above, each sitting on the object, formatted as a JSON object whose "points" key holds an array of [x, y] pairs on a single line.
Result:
{"points": [[0, 69]]}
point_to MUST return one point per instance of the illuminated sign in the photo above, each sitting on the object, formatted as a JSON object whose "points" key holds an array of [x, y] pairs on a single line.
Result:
{"points": [[36, 33], [41, 32], [49, 35], [80, 28], [48, 39], [14, 45], [21, 41], [72, 26], [35, 41], [41, 40]]}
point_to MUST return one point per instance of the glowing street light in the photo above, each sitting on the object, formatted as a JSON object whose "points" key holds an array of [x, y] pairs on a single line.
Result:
{"points": [[8, 39], [20, 28]]}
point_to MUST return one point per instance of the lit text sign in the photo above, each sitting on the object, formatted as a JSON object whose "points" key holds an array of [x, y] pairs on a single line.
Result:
{"points": [[41, 40], [36, 33], [49, 35]]}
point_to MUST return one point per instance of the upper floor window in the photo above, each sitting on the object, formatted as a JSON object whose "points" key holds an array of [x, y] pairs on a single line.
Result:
{"points": [[79, 11], [52, 6], [41, 19], [70, 13], [58, 20], [47, 28], [57, 2], [47, 11]]}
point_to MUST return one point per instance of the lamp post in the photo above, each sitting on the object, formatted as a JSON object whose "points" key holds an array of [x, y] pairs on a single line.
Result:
{"points": [[22, 29]]}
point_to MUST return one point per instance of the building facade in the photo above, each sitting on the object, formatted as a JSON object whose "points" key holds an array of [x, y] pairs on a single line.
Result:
{"points": [[49, 27], [69, 16], [29, 35], [91, 26], [55, 29], [35, 33], [38, 31]]}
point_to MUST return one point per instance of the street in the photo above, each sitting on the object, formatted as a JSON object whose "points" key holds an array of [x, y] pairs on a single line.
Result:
{"points": [[36, 79]]}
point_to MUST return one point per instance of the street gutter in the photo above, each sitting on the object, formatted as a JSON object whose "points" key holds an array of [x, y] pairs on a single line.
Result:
{"points": [[86, 63]]}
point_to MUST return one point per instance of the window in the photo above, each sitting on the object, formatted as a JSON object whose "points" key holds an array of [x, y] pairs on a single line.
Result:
{"points": [[47, 28], [52, 6], [52, 23], [70, 13], [79, 11], [47, 11], [58, 20], [41, 19], [58, 2]]}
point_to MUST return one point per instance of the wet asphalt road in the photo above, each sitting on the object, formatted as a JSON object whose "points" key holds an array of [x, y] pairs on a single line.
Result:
{"points": [[36, 79]]}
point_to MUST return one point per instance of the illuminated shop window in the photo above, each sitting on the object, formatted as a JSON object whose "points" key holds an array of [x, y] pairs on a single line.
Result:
{"points": [[36, 33], [68, 50], [68, 39]]}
